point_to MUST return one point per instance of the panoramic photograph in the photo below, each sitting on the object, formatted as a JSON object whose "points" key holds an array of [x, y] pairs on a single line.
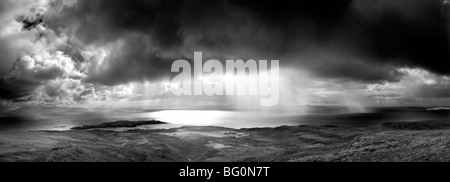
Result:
{"points": [[224, 81]]}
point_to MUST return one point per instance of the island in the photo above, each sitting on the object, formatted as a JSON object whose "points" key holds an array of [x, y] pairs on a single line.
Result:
{"points": [[119, 124]]}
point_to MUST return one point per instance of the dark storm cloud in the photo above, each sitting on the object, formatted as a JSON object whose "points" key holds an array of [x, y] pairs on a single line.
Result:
{"points": [[356, 40], [361, 40], [134, 60], [105, 21], [140, 30], [414, 32], [30, 23], [11, 89]]}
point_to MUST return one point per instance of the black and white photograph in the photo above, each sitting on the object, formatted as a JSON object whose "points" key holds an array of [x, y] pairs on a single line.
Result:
{"points": [[224, 81]]}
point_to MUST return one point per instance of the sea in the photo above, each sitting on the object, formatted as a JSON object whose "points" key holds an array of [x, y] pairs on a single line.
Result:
{"points": [[64, 118]]}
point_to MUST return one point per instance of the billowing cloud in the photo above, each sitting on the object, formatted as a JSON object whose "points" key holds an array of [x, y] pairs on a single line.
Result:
{"points": [[60, 91], [31, 72], [44, 67], [12, 38], [81, 50], [357, 40]]}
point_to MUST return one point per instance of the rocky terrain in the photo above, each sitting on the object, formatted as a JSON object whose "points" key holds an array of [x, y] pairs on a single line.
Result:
{"points": [[392, 142]]}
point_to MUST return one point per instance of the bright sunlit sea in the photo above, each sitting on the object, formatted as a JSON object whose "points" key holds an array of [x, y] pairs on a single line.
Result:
{"points": [[43, 118]]}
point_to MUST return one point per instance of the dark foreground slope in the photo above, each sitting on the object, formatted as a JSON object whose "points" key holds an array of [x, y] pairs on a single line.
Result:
{"points": [[302, 143]]}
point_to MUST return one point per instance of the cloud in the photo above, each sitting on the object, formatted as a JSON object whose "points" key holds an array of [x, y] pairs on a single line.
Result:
{"points": [[413, 33], [354, 40], [96, 46], [6, 106], [12, 39], [128, 60], [432, 91], [31, 65], [418, 85], [60, 91], [44, 67], [126, 92], [52, 73]]}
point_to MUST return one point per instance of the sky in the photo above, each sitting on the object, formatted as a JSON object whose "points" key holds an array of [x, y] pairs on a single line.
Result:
{"points": [[354, 53]]}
